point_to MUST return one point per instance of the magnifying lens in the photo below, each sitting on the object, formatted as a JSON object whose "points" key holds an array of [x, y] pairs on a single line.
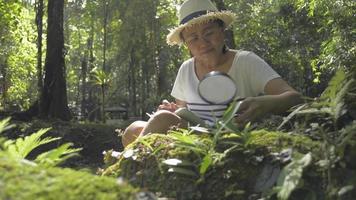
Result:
{"points": [[217, 88]]}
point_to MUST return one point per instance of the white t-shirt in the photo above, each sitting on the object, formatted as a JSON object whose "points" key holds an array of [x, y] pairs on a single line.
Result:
{"points": [[250, 73]]}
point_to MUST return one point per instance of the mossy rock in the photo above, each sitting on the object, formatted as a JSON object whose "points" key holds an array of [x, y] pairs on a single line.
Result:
{"points": [[145, 170], [237, 175], [23, 180]]}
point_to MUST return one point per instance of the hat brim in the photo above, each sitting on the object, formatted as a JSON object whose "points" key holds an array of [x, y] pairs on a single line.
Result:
{"points": [[174, 38]]}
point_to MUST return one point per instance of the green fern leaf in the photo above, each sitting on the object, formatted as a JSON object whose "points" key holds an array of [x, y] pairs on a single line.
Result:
{"points": [[56, 156], [290, 176], [334, 86], [4, 125], [25, 145]]}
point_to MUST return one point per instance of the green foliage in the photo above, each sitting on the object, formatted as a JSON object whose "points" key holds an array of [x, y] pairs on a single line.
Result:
{"points": [[21, 147], [336, 91], [225, 122], [22, 181], [192, 163], [137, 56], [100, 77], [305, 41], [4, 125], [56, 156], [291, 176], [334, 104], [338, 49], [330, 118], [17, 55]]}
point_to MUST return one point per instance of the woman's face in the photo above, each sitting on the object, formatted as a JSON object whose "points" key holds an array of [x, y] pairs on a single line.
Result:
{"points": [[205, 41]]}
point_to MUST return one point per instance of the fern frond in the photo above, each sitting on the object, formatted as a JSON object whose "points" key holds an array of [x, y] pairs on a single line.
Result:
{"points": [[4, 124], [334, 85], [334, 98], [56, 156], [25, 145], [346, 135], [2, 143], [21, 147], [338, 103], [291, 175]]}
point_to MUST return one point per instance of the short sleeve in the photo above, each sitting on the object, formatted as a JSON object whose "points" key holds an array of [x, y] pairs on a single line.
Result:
{"points": [[177, 90], [259, 72]]}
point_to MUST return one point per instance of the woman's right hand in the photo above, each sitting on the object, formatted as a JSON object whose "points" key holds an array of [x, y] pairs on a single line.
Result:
{"points": [[166, 105]]}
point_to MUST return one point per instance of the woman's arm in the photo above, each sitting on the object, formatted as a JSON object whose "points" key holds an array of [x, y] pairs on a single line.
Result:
{"points": [[278, 99]]}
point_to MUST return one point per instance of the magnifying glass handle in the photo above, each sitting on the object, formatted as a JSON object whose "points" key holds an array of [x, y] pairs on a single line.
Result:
{"points": [[240, 99]]}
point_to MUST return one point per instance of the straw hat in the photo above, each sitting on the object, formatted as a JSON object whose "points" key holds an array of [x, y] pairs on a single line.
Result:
{"points": [[194, 12]]}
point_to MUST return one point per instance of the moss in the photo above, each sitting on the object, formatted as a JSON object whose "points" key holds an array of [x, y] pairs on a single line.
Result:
{"points": [[242, 162], [145, 169], [22, 181], [278, 141]]}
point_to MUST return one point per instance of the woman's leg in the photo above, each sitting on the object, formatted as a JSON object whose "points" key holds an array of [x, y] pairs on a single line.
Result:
{"points": [[132, 132], [161, 122]]}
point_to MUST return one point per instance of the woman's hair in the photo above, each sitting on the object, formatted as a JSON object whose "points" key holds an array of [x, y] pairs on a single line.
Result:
{"points": [[219, 22]]}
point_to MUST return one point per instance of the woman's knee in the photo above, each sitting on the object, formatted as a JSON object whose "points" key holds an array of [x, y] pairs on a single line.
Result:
{"points": [[166, 116], [161, 122], [132, 132]]}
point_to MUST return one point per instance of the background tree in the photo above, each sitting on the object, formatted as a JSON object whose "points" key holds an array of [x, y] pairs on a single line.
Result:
{"points": [[54, 95]]}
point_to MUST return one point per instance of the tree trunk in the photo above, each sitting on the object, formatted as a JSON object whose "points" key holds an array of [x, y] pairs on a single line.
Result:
{"points": [[144, 88], [105, 34], [162, 82], [132, 84], [84, 71], [103, 118], [4, 84], [91, 102], [54, 103]]}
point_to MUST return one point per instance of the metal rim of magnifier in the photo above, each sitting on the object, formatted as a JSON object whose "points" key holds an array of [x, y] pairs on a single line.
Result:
{"points": [[212, 74]]}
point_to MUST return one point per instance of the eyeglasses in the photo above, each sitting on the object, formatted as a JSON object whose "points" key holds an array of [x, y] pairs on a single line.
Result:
{"points": [[208, 35]]}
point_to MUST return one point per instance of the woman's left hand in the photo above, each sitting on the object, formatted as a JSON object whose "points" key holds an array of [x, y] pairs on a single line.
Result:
{"points": [[251, 109], [278, 99]]}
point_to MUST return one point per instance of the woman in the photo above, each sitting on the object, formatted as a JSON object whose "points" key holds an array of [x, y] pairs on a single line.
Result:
{"points": [[201, 29]]}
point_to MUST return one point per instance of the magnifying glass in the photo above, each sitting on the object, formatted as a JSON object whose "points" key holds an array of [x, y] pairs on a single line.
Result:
{"points": [[217, 88]]}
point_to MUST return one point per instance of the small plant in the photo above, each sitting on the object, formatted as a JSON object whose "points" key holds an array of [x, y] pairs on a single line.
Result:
{"points": [[207, 149], [202, 149], [20, 148], [331, 107], [102, 79], [326, 117], [291, 177]]}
